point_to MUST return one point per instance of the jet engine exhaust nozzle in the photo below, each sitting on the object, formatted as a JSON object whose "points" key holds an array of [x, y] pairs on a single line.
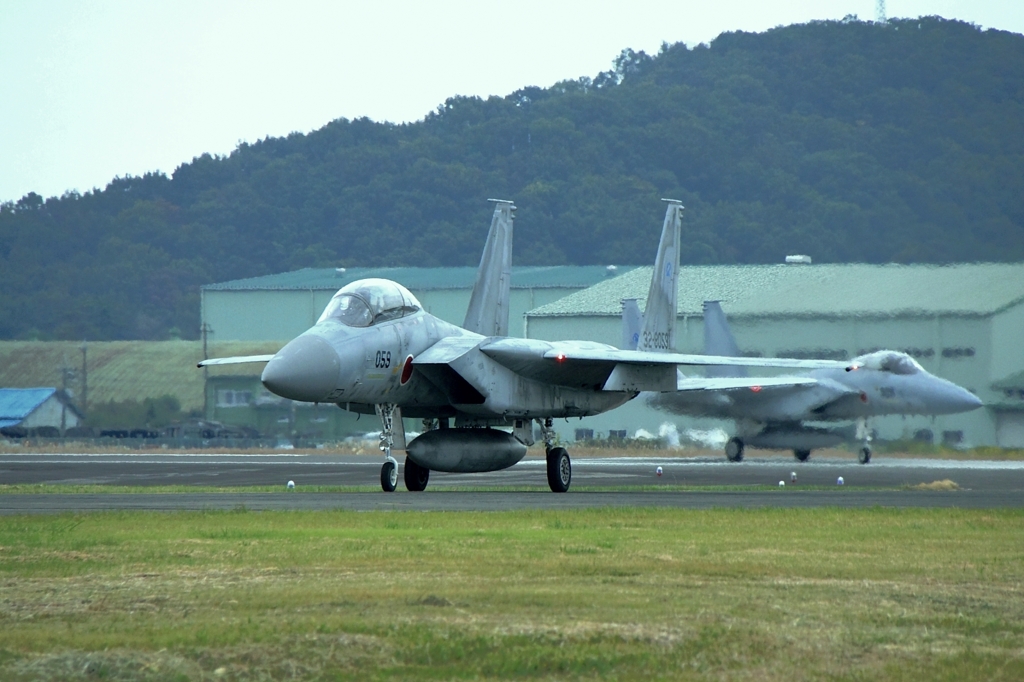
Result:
{"points": [[306, 369]]}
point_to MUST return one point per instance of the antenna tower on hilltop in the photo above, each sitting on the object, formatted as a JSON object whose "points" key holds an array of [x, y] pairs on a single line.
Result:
{"points": [[880, 11]]}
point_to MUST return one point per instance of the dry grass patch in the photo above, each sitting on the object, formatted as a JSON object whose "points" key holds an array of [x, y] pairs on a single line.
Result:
{"points": [[583, 594], [945, 484]]}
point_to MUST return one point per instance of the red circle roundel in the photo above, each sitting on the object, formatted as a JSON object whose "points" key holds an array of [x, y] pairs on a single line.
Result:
{"points": [[407, 370]]}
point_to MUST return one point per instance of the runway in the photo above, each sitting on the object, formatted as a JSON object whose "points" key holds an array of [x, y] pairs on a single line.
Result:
{"points": [[884, 482]]}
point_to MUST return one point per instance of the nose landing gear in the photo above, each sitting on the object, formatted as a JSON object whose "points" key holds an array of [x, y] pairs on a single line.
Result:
{"points": [[388, 472]]}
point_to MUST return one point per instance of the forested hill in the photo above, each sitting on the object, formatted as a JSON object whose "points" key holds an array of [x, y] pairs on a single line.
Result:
{"points": [[848, 141]]}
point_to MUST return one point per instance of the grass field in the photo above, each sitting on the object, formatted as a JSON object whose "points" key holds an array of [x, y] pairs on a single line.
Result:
{"points": [[617, 594]]}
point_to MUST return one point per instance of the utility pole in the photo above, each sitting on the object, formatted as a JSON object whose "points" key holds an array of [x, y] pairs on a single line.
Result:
{"points": [[205, 330], [67, 375], [84, 402]]}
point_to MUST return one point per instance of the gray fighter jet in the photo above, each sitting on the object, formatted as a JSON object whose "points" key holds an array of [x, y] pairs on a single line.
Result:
{"points": [[772, 412], [375, 350]]}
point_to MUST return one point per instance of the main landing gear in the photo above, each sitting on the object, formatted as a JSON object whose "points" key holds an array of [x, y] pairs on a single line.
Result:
{"points": [[864, 435], [559, 465], [734, 450], [416, 477]]}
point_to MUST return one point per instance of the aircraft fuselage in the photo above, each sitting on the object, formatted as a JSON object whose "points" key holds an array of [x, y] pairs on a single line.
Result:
{"points": [[839, 395], [360, 368]]}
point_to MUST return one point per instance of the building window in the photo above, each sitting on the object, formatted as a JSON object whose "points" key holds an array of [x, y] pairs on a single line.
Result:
{"points": [[617, 434], [952, 437], [232, 398], [584, 434], [923, 435], [957, 353]]}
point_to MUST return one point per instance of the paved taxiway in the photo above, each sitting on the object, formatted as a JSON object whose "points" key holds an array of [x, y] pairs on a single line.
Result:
{"points": [[881, 483]]}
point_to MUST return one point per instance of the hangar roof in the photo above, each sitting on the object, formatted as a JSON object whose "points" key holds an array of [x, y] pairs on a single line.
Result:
{"points": [[1014, 381], [423, 279], [830, 290]]}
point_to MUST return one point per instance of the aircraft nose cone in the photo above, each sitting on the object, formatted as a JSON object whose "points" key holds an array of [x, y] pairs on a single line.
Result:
{"points": [[957, 399], [969, 401], [305, 369]]}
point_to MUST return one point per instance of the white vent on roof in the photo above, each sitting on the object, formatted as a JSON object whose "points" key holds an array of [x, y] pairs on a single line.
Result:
{"points": [[339, 272], [799, 260], [611, 271]]}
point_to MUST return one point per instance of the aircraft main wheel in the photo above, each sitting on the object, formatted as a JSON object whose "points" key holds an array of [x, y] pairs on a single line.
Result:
{"points": [[802, 455], [559, 470], [734, 450], [415, 476], [389, 477], [864, 455]]}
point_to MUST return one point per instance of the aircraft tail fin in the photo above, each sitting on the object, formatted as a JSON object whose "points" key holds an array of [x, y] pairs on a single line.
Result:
{"points": [[718, 340], [632, 321], [488, 305], [658, 332]]}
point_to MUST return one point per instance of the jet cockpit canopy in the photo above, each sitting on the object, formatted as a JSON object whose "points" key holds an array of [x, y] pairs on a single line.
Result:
{"points": [[890, 361], [368, 302]]}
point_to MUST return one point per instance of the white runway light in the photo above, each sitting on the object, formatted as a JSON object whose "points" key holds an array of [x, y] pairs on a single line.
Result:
{"points": [[839, 481], [658, 471], [782, 484], [291, 485], [792, 477]]}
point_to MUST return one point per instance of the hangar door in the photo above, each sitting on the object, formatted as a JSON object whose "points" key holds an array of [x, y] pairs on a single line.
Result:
{"points": [[1010, 429]]}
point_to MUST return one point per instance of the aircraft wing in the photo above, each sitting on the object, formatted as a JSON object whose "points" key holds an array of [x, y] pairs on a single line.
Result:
{"points": [[565, 353], [596, 366], [237, 360], [730, 383], [786, 398]]}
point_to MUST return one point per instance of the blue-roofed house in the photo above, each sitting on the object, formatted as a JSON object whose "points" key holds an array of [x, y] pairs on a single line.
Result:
{"points": [[33, 408]]}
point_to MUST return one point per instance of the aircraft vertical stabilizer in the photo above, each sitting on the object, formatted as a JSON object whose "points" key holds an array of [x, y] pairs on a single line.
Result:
{"points": [[659, 324], [632, 320], [488, 306], [718, 340]]}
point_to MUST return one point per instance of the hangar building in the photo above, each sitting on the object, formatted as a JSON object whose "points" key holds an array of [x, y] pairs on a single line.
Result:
{"points": [[961, 322], [280, 307]]}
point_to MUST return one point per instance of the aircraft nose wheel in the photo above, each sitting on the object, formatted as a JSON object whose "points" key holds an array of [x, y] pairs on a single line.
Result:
{"points": [[389, 476], [559, 470]]}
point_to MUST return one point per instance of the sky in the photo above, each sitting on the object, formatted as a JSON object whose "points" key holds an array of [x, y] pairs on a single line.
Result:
{"points": [[95, 89]]}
